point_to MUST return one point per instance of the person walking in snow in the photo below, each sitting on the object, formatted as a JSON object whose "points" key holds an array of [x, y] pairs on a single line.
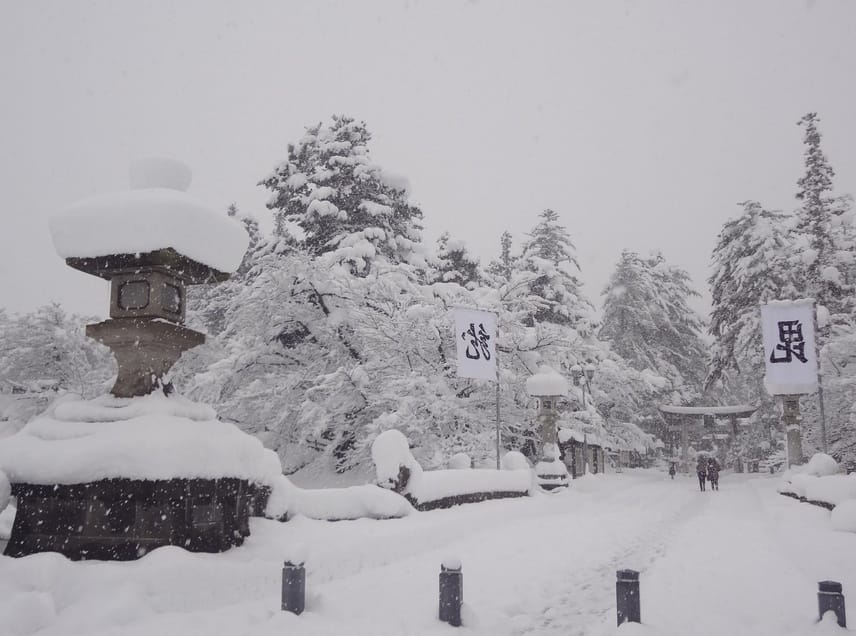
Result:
{"points": [[672, 470], [701, 471], [713, 473]]}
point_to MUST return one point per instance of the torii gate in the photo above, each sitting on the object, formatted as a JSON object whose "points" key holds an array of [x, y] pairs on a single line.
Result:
{"points": [[682, 416]]}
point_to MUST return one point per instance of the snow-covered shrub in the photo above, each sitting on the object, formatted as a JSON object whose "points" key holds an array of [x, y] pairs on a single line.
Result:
{"points": [[514, 460], [460, 461], [394, 463], [820, 465]]}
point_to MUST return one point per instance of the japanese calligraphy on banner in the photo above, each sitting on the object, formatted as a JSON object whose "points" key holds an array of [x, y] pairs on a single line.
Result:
{"points": [[475, 334], [787, 329]]}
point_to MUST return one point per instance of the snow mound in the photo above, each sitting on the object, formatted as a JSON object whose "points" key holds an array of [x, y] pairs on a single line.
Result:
{"points": [[844, 516], [334, 504], [152, 437], [5, 491], [546, 382], [7, 519], [158, 215]]}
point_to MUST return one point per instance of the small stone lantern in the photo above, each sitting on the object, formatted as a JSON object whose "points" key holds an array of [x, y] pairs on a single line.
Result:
{"points": [[548, 387]]}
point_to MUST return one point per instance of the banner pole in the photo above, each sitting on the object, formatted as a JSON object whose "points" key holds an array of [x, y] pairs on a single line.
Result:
{"points": [[818, 345], [498, 434], [496, 359]]}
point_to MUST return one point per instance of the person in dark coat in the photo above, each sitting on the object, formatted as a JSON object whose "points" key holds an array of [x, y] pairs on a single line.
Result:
{"points": [[713, 473], [672, 470], [701, 471]]}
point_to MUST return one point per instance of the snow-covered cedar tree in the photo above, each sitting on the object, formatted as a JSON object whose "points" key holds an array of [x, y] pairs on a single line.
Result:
{"points": [[823, 235], [346, 206], [648, 321], [455, 264], [549, 254], [749, 265]]}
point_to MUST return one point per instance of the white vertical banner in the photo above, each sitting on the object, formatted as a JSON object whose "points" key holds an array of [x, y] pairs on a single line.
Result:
{"points": [[790, 355], [475, 335]]}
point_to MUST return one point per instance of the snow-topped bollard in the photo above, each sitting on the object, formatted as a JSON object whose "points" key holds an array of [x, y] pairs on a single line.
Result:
{"points": [[451, 592], [293, 587], [627, 602], [830, 599]]}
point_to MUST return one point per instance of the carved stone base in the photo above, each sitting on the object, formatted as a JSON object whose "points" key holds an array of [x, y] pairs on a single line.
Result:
{"points": [[123, 519], [144, 349]]}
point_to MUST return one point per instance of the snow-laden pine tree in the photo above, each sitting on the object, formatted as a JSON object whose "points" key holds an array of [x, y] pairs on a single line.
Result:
{"points": [[549, 254], [455, 264], [347, 206], [648, 322], [749, 267]]}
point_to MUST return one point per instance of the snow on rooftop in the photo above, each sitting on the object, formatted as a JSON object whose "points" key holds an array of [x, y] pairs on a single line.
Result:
{"points": [[546, 382], [150, 437], [155, 214]]}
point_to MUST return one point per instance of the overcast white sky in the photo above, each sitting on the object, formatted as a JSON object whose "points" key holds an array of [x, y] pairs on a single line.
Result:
{"points": [[641, 123]]}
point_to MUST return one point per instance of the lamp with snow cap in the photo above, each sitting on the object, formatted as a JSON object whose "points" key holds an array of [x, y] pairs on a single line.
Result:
{"points": [[150, 242]]}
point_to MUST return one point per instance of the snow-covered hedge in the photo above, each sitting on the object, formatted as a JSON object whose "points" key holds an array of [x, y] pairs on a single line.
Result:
{"points": [[334, 504], [398, 470], [818, 482]]}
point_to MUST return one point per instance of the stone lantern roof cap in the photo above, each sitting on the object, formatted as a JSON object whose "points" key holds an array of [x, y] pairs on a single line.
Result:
{"points": [[546, 382], [156, 223]]}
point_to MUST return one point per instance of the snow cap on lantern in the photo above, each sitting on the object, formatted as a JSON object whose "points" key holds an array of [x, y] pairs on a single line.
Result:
{"points": [[155, 222], [546, 382]]}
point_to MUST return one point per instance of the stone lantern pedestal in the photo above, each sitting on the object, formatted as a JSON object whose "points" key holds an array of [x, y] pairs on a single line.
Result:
{"points": [[548, 387], [115, 477]]}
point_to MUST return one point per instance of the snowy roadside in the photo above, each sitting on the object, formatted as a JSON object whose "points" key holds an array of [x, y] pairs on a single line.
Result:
{"points": [[743, 560]]}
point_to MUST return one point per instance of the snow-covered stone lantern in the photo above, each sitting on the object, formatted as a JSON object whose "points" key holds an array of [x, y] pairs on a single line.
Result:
{"points": [[117, 476], [149, 242], [548, 387]]}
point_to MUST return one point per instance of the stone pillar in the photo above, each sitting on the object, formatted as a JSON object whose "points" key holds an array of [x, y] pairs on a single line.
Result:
{"points": [[791, 421], [685, 447]]}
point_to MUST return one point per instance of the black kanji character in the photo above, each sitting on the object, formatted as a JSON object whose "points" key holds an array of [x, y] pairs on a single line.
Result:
{"points": [[791, 342]]}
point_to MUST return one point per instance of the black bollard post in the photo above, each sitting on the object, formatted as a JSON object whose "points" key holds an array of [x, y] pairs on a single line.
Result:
{"points": [[293, 587], [830, 598], [451, 593], [627, 596]]}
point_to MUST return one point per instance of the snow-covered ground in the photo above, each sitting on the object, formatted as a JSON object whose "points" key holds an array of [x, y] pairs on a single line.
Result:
{"points": [[744, 560]]}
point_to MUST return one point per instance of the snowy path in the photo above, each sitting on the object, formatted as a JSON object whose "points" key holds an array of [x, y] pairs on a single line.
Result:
{"points": [[743, 560]]}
